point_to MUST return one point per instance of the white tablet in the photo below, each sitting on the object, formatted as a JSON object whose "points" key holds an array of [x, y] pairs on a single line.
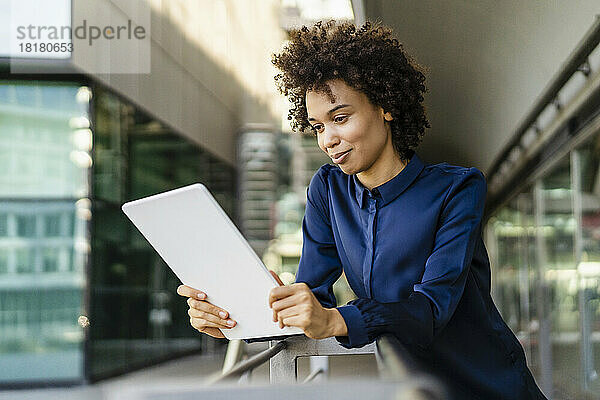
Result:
{"points": [[198, 241]]}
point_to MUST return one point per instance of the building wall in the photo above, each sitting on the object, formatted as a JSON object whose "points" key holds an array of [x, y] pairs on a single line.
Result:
{"points": [[210, 65], [488, 62]]}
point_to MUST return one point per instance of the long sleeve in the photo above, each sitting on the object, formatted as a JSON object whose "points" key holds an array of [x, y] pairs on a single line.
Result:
{"points": [[320, 265], [420, 317]]}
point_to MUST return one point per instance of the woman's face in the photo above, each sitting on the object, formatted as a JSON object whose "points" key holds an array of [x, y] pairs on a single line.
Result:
{"points": [[352, 131]]}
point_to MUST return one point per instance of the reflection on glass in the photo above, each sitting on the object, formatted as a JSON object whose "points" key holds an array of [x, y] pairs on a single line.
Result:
{"points": [[137, 318], [560, 275], [515, 271], [587, 160], [41, 267], [546, 264]]}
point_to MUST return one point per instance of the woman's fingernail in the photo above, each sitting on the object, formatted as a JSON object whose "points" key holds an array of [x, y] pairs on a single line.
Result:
{"points": [[201, 296], [230, 322], [223, 314]]}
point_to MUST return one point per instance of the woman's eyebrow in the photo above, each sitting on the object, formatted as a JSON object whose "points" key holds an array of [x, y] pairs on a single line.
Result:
{"points": [[332, 110]]}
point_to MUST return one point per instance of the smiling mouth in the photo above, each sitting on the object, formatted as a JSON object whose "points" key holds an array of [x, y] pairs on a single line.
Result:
{"points": [[339, 156]]}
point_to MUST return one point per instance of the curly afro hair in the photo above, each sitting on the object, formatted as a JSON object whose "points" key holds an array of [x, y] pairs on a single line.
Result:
{"points": [[367, 59]]}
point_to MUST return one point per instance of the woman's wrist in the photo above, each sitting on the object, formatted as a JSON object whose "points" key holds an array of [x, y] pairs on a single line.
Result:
{"points": [[337, 324]]}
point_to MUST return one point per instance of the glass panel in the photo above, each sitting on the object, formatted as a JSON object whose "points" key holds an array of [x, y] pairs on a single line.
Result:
{"points": [[589, 265], [515, 272], [44, 165], [26, 225], [3, 261], [3, 224], [137, 316], [557, 229], [506, 234], [110, 149], [528, 281]]}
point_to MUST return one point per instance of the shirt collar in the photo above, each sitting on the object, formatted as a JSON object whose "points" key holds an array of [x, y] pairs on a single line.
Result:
{"points": [[392, 188]]}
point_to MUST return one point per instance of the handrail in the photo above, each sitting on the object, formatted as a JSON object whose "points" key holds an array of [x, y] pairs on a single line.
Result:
{"points": [[283, 367], [249, 364], [577, 61], [395, 364]]}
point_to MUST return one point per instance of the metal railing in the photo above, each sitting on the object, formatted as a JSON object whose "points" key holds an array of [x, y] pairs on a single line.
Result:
{"points": [[246, 366], [394, 364], [284, 366], [577, 62]]}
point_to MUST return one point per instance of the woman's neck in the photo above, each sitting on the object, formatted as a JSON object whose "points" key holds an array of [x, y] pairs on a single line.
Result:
{"points": [[386, 167]]}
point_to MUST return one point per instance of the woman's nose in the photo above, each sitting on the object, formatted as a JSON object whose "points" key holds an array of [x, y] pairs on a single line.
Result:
{"points": [[330, 137]]}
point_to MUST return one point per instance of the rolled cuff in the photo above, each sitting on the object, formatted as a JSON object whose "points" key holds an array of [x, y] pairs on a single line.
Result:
{"points": [[357, 329]]}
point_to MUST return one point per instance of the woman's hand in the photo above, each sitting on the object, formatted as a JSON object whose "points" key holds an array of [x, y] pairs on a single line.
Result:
{"points": [[296, 305], [204, 316]]}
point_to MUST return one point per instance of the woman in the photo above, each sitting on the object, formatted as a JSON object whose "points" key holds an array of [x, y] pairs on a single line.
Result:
{"points": [[406, 234]]}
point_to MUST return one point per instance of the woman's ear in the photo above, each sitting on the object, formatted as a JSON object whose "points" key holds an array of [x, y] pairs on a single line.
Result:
{"points": [[386, 115]]}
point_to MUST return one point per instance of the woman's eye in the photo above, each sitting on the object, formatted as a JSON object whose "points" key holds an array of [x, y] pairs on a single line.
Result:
{"points": [[316, 128], [340, 118]]}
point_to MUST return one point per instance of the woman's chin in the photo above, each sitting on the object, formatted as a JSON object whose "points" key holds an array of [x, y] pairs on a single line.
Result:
{"points": [[347, 169]]}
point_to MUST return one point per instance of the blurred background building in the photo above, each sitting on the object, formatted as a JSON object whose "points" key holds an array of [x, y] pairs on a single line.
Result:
{"points": [[514, 89]]}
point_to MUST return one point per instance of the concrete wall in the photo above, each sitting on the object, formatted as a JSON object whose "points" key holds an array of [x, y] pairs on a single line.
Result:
{"points": [[210, 65], [488, 60]]}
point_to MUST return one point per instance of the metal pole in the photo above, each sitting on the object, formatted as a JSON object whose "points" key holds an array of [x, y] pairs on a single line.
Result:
{"points": [[236, 349]]}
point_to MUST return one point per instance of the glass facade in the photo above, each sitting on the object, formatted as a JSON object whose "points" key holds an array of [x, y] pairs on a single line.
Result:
{"points": [[544, 245], [82, 294], [45, 144], [586, 161], [136, 316]]}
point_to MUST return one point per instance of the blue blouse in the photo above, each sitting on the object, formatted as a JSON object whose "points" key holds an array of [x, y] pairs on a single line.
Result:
{"points": [[412, 252]]}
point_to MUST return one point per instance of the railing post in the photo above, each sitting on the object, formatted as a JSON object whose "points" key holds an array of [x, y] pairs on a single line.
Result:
{"points": [[235, 352], [284, 365]]}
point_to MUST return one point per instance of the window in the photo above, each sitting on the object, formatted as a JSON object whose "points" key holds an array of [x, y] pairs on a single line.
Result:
{"points": [[3, 224], [52, 225], [3, 261], [25, 261], [50, 259], [26, 226]]}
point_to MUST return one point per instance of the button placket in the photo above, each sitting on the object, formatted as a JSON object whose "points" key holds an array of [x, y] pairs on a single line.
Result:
{"points": [[368, 260]]}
